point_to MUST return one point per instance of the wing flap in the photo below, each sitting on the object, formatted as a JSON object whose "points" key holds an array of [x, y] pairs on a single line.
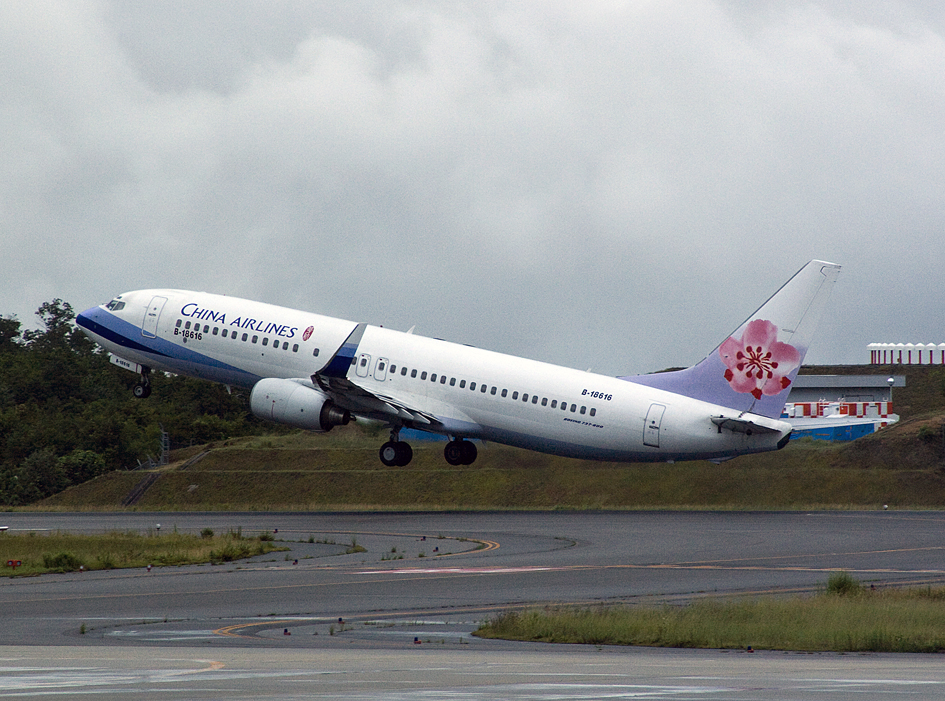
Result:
{"points": [[363, 401]]}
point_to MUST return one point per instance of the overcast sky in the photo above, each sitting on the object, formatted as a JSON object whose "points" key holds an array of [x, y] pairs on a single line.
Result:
{"points": [[613, 185]]}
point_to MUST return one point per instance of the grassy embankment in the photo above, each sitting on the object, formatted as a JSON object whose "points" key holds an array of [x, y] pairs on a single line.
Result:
{"points": [[66, 552], [845, 618], [901, 466]]}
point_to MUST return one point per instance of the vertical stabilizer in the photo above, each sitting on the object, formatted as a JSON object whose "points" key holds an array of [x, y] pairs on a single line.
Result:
{"points": [[753, 369]]}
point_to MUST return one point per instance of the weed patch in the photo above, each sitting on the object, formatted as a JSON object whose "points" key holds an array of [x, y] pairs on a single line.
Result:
{"points": [[64, 552], [847, 619]]}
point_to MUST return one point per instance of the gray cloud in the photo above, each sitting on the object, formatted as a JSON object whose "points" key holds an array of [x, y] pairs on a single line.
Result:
{"points": [[614, 185]]}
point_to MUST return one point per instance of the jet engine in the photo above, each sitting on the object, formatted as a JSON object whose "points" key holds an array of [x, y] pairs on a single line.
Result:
{"points": [[295, 404]]}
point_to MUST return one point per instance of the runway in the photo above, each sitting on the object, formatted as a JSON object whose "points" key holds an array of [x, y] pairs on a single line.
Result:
{"points": [[330, 623]]}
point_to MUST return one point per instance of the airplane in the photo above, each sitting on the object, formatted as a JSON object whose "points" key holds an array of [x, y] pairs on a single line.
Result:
{"points": [[316, 372]]}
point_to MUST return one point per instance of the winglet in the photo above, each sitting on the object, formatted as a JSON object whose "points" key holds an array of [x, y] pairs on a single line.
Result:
{"points": [[341, 361], [752, 370]]}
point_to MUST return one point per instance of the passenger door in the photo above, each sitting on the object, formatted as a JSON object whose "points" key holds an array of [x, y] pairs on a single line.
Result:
{"points": [[651, 431], [151, 317]]}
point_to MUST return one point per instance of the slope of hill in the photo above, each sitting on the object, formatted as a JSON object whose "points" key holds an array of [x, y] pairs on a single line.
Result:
{"points": [[902, 466]]}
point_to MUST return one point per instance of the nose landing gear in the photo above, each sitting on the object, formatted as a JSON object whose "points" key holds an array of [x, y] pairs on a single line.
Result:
{"points": [[142, 390]]}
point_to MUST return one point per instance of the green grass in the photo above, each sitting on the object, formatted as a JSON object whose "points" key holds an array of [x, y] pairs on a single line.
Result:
{"points": [[857, 620], [803, 476], [66, 552]]}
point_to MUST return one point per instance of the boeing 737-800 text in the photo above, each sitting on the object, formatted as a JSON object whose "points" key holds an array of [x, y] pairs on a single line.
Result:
{"points": [[316, 372]]}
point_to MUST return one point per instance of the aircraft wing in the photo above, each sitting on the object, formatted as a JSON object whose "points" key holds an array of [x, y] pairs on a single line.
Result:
{"points": [[361, 400]]}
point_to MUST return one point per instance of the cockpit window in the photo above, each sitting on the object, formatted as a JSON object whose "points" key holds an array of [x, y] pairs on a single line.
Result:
{"points": [[115, 305]]}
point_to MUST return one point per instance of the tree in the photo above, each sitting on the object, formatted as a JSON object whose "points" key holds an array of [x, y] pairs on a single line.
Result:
{"points": [[57, 317], [82, 465], [9, 334], [41, 475]]}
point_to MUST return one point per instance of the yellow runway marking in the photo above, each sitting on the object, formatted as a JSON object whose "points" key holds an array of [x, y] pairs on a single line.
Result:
{"points": [[228, 631]]}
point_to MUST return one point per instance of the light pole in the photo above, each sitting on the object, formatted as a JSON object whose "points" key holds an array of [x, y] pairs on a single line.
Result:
{"points": [[890, 381]]}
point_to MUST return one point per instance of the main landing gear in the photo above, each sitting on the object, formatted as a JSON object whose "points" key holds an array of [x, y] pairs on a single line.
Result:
{"points": [[460, 452], [397, 453]]}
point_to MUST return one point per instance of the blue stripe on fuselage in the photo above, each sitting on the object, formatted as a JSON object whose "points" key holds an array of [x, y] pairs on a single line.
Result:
{"points": [[164, 355]]}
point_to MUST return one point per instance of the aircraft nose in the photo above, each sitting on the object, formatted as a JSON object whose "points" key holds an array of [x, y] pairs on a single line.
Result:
{"points": [[88, 320], [84, 319]]}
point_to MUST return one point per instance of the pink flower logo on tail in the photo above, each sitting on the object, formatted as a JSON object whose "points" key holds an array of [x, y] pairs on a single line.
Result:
{"points": [[758, 363]]}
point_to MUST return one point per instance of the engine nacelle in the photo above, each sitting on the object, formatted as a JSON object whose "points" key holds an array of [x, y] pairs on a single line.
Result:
{"points": [[288, 402]]}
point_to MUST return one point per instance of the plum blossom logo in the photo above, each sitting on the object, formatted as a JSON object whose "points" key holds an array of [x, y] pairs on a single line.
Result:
{"points": [[758, 363]]}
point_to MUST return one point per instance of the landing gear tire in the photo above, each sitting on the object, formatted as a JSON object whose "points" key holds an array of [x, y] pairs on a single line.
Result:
{"points": [[396, 454], [405, 454], [469, 452], [460, 452], [142, 391]]}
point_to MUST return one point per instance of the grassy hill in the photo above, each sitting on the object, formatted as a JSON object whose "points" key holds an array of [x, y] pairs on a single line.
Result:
{"points": [[903, 466]]}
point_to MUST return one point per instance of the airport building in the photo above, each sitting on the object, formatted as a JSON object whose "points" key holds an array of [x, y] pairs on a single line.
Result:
{"points": [[907, 353], [840, 407]]}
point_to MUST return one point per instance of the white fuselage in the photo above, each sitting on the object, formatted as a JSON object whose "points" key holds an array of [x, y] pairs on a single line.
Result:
{"points": [[472, 393]]}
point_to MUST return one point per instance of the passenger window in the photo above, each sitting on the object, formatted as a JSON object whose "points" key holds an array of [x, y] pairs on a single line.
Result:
{"points": [[433, 377], [255, 339], [403, 371], [524, 397], [535, 399], [363, 362], [483, 389], [380, 367], [573, 408], [187, 326], [544, 401], [514, 395], [493, 391], [413, 373], [266, 341], [462, 384], [206, 328], [223, 333], [423, 375], [285, 345], [245, 336], [593, 411], [315, 352], [442, 379], [583, 409], [393, 369], [472, 386], [554, 403], [505, 393], [453, 382], [564, 406], [178, 323], [295, 348], [216, 330]]}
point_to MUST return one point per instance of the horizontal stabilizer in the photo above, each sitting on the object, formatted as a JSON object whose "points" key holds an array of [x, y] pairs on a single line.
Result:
{"points": [[739, 425]]}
